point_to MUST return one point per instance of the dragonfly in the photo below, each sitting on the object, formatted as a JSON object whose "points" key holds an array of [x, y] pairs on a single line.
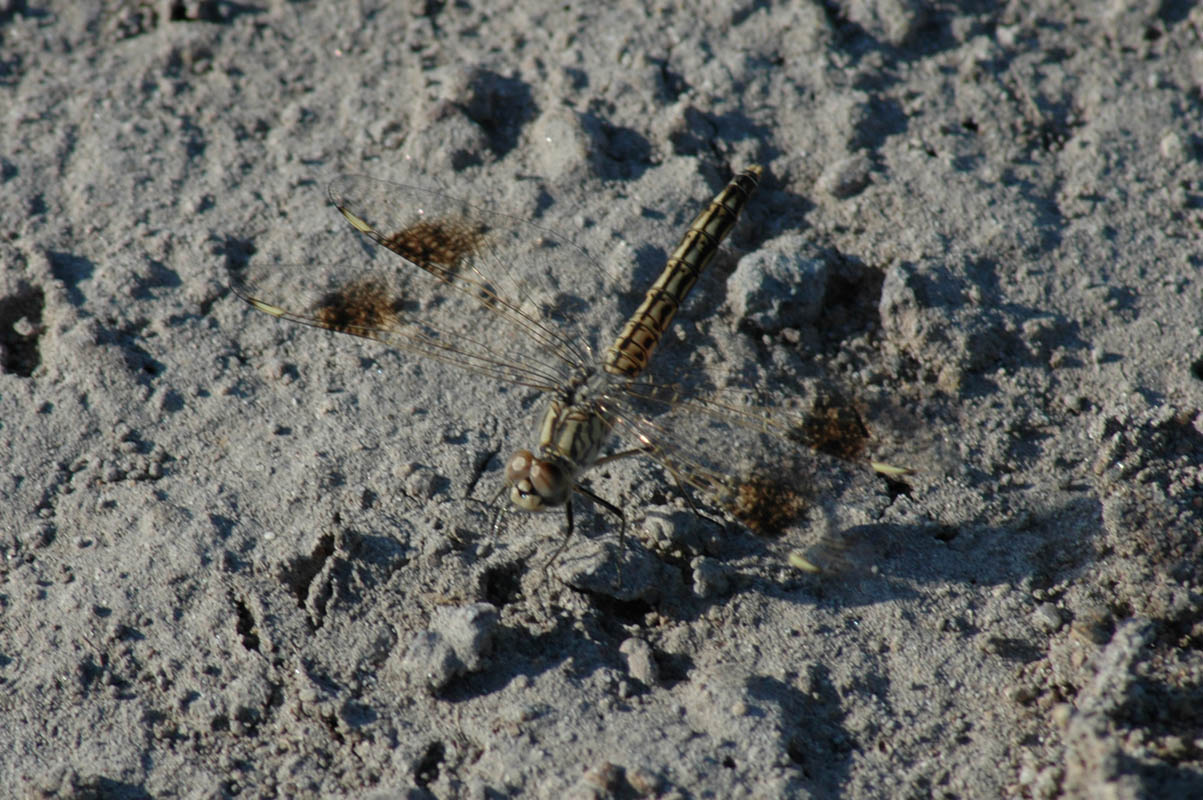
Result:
{"points": [[499, 296]]}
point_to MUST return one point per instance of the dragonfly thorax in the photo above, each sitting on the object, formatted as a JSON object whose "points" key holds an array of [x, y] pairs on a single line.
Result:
{"points": [[537, 483], [571, 436], [584, 386]]}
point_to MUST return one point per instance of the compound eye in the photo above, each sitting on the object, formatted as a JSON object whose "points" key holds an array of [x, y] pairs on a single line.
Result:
{"points": [[547, 478], [519, 466], [517, 477], [551, 481]]}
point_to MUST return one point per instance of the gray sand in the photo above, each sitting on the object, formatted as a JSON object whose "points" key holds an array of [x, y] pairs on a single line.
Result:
{"points": [[246, 558]]}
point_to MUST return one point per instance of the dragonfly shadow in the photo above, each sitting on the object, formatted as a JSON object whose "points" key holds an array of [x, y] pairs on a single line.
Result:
{"points": [[865, 565], [902, 558]]}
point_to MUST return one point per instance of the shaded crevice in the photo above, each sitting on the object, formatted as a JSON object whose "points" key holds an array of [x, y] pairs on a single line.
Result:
{"points": [[246, 625], [300, 572], [502, 585], [20, 331], [426, 771], [502, 106]]}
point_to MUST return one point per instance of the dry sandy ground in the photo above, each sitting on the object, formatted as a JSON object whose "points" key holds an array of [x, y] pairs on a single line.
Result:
{"points": [[247, 558]]}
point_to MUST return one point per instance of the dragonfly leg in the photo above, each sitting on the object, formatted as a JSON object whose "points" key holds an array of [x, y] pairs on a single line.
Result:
{"points": [[613, 509], [606, 504], [697, 512], [616, 511], [568, 528], [496, 527], [647, 451], [635, 451]]}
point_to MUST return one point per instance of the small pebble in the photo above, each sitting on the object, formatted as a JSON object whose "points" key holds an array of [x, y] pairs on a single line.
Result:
{"points": [[1048, 618], [641, 661]]}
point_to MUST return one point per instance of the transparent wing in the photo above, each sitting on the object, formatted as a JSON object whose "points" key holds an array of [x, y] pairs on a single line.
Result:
{"points": [[771, 468], [462, 284]]}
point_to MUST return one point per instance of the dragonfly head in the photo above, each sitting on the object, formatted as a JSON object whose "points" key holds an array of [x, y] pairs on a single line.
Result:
{"points": [[536, 483]]}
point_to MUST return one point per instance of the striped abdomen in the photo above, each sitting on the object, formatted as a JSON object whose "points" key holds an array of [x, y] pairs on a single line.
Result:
{"points": [[631, 351]]}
